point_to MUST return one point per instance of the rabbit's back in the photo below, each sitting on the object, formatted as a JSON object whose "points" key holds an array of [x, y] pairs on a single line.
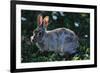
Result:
{"points": [[61, 40]]}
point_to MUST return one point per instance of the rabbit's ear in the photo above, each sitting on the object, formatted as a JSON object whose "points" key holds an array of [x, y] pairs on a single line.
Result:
{"points": [[45, 21], [39, 20]]}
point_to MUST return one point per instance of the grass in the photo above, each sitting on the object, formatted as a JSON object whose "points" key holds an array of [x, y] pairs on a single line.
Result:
{"points": [[30, 53]]}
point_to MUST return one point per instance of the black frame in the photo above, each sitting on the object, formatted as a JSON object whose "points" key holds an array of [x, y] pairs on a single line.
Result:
{"points": [[13, 36]]}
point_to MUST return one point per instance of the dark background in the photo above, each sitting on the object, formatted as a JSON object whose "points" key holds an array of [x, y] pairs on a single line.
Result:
{"points": [[77, 22]]}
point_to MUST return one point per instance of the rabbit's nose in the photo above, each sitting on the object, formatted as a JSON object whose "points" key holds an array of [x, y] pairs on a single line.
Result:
{"points": [[34, 40], [31, 38]]}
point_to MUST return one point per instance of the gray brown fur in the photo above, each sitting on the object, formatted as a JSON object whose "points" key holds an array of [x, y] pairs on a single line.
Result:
{"points": [[60, 40]]}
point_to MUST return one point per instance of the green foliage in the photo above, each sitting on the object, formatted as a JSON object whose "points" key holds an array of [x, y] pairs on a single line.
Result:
{"points": [[78, 22]]}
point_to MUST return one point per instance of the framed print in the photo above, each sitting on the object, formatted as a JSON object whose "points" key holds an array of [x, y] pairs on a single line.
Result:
{"points": [[52, 36]]}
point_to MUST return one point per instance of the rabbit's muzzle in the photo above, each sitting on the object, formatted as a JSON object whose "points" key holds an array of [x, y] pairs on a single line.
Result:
{"points": [[33, 39]]}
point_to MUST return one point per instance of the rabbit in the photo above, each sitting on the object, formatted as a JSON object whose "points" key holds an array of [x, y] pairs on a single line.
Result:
{"points": [[60, 40]]}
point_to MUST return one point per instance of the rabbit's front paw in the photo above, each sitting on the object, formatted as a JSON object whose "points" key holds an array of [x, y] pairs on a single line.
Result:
{"points": [[61, 54]]}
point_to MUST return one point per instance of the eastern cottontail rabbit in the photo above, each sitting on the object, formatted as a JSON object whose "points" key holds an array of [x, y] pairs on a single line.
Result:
{"points": [[59, 40]]}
